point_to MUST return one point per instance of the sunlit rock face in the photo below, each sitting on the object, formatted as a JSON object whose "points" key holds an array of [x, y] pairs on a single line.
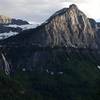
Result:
{"points": [[5, 20], [70, 27], [98, 34]]}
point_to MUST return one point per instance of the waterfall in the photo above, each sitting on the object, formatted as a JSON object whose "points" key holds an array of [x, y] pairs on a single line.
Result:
{"points": [[6, 65]]}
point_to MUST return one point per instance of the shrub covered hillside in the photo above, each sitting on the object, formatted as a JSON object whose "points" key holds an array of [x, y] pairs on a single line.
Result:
{"points": [[67, 76]]}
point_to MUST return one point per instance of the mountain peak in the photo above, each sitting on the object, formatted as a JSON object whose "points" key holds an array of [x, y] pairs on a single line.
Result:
{"points": [[73, 6], [71, 11], [7, 20], [68, 27], [4, 19]]}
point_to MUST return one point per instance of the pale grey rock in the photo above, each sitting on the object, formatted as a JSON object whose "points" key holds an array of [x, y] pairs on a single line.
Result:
{"points": [[71, 28]]}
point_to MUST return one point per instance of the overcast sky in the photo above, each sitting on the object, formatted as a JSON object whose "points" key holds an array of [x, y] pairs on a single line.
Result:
{"points": [[39, 10]]}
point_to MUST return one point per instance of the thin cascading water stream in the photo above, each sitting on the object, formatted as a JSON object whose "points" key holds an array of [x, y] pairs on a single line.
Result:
{"points": [[6, 65]]}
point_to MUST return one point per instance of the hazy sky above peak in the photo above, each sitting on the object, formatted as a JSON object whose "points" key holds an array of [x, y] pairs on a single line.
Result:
{"points": [[38, 11]]}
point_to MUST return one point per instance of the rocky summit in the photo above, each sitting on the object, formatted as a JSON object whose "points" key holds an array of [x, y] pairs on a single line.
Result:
{"points": [[68, 27], [4, 20], [71, 28]]}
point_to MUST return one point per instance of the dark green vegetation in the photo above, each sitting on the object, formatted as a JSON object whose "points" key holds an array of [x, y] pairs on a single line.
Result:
{"points": [[66, 75]]}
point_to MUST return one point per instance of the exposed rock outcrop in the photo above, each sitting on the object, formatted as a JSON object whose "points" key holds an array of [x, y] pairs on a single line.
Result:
{"points": [[68, 27], [71, 28], [7, 20]]}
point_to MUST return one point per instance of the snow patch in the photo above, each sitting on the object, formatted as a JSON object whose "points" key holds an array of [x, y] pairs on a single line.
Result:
{"points": [[24, 27], [23, 69], [60, 73], [52, 73], [6, 35], [98, 66]]}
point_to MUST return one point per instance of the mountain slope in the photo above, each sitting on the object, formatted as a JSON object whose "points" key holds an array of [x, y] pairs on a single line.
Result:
{"points": [[54, 73], [8, 20], [10, 26], [68, 27], [57, 60]]}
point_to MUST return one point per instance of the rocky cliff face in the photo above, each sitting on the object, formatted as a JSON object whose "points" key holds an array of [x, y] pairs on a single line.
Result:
{"points": [[8, 20], [68, 27], [5, 20]]}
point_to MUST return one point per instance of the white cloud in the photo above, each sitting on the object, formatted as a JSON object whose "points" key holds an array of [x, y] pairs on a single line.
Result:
{"points": [[40, 10], [89, 7], [31, 10]]}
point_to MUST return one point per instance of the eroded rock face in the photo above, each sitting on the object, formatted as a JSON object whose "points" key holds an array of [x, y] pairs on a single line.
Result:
{"points": [[7, 20], [70, 27]]}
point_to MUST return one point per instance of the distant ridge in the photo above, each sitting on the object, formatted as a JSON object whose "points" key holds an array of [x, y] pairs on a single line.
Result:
{"points": [[8, 20]]}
